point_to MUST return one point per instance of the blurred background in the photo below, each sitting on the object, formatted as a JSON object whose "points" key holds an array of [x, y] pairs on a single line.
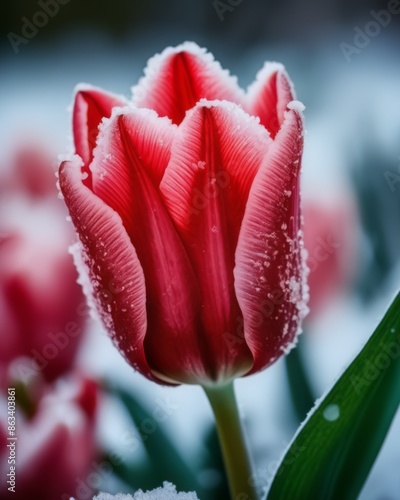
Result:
{"points": [[86, 420]]}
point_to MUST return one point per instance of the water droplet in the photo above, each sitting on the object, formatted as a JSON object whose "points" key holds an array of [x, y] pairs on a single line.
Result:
{"points": [[331, 413]]}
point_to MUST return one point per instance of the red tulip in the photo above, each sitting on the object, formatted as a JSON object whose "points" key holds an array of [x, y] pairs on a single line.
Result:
{"points": [[56, 447], [41, 306], [190, 231]]}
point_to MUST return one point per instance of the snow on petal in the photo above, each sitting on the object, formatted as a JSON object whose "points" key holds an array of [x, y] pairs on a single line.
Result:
{"points": [[91, 105], [179, 77], [269, 95], [112, 272], [270, 260]]}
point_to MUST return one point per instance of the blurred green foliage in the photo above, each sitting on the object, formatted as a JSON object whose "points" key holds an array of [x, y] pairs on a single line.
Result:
{"points": [[376, 180]]}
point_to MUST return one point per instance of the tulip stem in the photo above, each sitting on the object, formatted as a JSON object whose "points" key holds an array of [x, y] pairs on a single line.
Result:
{"points": [[234, 450]]}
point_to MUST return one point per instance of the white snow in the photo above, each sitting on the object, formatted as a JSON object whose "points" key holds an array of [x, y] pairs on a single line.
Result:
{"points": [[156, 62], [166, 492], [296, 106], [263, 75], [83, 278], [88, 87]]}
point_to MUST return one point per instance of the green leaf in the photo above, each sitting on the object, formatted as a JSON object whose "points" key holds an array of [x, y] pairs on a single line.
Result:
{"points": [[334, 451], [301, 392], [213, 461], [135, 476], [165, 460]]}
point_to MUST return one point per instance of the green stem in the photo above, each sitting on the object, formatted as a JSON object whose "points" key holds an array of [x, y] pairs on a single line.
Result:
{"points": [[234, 450]]}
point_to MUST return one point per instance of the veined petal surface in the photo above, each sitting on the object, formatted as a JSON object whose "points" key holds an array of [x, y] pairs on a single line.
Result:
{"points": [[215, 157], [270, 270], [132, 153], [112, 276], [91, 105]]}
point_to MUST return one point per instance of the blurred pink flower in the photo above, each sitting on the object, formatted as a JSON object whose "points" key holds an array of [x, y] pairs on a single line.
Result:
{"points": [[56, 447], [40, 307], [30, 171], [329, 237]]}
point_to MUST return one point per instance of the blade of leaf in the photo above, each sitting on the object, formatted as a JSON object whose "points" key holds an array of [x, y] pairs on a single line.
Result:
{"points": [[300, 388], [213, 460], [163, 455], [134, 475], [333, 452]]}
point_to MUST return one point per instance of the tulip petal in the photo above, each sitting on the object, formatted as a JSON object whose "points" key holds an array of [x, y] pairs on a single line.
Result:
{"points": [[131, 154], [270, 261], [139, 132], [269, 96], [179, 77], [115, 283], [214, 159], [91, 105]]}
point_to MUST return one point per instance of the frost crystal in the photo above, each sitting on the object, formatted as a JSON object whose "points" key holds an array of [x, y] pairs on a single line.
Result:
{"points": [[83, 278], [296, 106]]}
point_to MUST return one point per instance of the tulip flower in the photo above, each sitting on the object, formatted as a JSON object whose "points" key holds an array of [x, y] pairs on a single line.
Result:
{"points": [[42, 306], [41, 302], [56, 447], [188, 216]]}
